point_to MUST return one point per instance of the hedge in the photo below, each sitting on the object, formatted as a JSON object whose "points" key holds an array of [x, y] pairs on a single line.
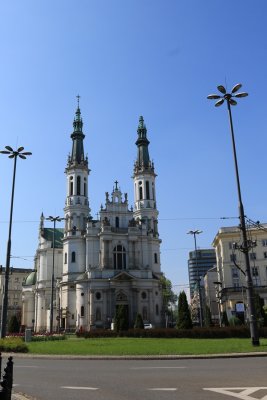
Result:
{"points": [[195, 333]]}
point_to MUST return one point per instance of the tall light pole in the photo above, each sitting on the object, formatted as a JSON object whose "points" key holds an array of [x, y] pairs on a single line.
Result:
{"points": [[54, 220], [194, 233], [229, 98], [11, 154]]}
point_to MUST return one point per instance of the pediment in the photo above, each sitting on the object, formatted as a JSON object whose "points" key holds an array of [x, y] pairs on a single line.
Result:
{"points": [[123, 276]]}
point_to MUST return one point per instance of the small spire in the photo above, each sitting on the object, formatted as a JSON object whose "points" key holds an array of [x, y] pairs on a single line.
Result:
{"points": [[77, 154], [142, 143]]}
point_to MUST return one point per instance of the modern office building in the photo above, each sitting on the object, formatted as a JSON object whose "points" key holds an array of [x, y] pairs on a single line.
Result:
{"points": [[199, 263]]}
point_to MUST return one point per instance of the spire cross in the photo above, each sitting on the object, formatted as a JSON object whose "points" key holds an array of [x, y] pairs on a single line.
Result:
{"points": [[78, 100], [116, 183]]}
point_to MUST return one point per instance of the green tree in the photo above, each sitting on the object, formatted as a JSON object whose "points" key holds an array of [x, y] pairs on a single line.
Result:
{"points": [[207, 317], [225, 321], [169, 298], [121, 318], [139, 324], [184, 316], [13, 324]]}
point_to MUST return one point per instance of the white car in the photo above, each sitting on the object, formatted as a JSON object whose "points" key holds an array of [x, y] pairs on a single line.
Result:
{"points": [[148, 326]]}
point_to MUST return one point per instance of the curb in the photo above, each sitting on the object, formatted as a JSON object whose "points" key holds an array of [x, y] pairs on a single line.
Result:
{"points": [[141, 357]]}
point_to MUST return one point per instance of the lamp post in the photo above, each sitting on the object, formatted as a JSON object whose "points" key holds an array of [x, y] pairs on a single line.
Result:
{"points": [[194, 233], [54, 220], [218, 299], [229, 98], [11, 154]]}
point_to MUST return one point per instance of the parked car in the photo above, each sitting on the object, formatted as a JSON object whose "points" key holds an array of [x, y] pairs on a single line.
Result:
{"points": [[148, 326]]}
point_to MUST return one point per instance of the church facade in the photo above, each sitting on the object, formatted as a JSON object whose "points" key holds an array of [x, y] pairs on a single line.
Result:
{"points": [[99, 264]]}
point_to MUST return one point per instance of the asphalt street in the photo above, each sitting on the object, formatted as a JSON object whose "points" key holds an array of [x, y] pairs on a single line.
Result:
{"points": [[208, 379]]}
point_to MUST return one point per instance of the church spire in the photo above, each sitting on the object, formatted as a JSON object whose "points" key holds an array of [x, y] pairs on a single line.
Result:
{"points": [[143, 160], [77, 154]]}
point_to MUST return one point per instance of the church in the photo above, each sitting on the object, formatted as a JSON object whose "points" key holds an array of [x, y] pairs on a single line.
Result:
{"points": [[86, 270]]}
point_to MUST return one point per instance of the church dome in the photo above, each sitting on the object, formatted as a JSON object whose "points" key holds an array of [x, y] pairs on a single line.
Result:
{"points": [[31, 279]]}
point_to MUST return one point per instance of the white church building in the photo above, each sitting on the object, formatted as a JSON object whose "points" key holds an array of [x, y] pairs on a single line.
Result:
{"points": [[99, 264]]}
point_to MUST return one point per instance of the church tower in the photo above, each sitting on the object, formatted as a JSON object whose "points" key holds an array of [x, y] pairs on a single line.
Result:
{"points": [[145, 208], [76, 208]]}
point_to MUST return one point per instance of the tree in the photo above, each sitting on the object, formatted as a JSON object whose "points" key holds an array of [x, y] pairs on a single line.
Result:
{"points": [[121, 318], [139, 324], [207, 317], [184, 316], [13, 324], [225, 321], [169, 298]]}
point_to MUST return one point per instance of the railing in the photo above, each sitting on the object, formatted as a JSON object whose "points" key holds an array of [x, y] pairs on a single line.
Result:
{"points": [[7, 381]]}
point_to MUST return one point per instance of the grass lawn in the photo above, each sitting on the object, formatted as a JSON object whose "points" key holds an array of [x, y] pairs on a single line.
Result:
{"points": [[144, 346]]}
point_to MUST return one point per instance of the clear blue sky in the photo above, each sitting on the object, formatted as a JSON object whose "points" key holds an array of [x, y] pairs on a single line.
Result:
{"points": [[126, 58]]}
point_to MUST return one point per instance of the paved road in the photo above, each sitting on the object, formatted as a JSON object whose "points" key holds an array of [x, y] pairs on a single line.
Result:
{"points": [[211, 379]]}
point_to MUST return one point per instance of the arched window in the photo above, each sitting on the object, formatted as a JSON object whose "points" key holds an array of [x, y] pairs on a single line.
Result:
{"points": [[147, 190], [71, 188], [117, 222], [119, 257], [155, 258], [73, 256], [98, 314], [140, 193], [157, 309], [144, 313], [78, 185], [82, 311], [65, 258]]}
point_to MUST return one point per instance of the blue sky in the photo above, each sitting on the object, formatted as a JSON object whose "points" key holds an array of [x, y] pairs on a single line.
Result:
{"points": [[126, 58]]}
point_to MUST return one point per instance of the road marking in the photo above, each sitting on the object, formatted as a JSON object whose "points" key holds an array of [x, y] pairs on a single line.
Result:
{"points": [[78, 387], [164, 389], [158, 367], [240, 392]]}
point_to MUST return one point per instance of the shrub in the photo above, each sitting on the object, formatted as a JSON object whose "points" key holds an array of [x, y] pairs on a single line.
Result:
{"points": [[184, 316], [13, 324], [121, 319], [234, 321], [12, 344], [139, 324]]}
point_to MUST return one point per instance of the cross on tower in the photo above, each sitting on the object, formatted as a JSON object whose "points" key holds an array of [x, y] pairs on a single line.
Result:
{"points": [[78, 100], [116, 183]]}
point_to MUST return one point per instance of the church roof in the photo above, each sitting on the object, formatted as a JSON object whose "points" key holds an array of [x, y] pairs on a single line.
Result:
{"points": [[31, 279], [47, 233]]}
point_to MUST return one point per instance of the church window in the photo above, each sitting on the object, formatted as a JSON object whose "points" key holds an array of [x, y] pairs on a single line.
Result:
{"points": [[98, 295], [78, 185], [84, 189], [119, 257], [153, 191], [143, 295], [144, 313], [147, 190], [65, 258], [155, 258], [98, 314], [140, 191], [71, 188], [73, 256], [157, 309], [117, 222], [82, 311]]}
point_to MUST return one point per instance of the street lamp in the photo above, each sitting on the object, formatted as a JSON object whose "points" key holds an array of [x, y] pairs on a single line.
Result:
{"points": [[218, 296], [11, 154], [54, 220], [194, 233], [229, 98]]}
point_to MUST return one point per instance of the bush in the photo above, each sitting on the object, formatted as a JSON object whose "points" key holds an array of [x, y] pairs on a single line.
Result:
{"points": [[13, 324], [195, 333], [12, 344], [234, 321], [139, 324]]}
